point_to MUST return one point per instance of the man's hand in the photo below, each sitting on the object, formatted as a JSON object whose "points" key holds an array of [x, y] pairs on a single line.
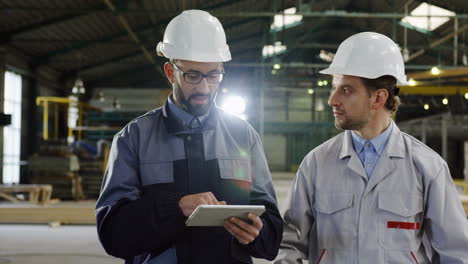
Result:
{"points": [[188, 203], [244, 232]]}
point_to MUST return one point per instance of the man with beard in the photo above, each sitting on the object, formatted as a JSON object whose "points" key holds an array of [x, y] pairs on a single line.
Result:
{"points": [[371, 193], [164, 164]]}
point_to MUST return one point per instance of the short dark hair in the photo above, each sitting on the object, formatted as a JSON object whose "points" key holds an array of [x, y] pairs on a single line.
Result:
{"points": [[388, 83]]}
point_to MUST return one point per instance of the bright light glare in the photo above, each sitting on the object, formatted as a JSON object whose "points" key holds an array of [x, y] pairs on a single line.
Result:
{"points": [[466, 96], [412, 82], [435, 71], [445, 101], [234, 105], [426, 107]]}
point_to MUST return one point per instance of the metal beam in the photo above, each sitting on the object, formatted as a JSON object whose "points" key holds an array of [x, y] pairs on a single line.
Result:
{"points": [[123, 21], [433, 90], [109, 61], [326, 13], [36, 26], [456, 72], [133, 54], [47, 57], [437, 43], [312, 45], [96, 81], [237, 23]]}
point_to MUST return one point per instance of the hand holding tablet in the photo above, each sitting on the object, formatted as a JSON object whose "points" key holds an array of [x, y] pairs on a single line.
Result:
{"points": [[214, 215]]}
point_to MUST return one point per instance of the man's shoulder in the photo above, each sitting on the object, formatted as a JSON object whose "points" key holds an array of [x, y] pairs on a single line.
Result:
{"points": [[329, 148], [421, 153], [232, 120], [142, 122], [332, 144]]}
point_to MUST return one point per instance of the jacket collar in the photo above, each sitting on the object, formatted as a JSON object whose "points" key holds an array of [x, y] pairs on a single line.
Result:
{"points": [[395, 146], [173, 125]]}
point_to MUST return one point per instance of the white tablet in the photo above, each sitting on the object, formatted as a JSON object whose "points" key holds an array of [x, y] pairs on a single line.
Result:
{"points": [[214, 215]]}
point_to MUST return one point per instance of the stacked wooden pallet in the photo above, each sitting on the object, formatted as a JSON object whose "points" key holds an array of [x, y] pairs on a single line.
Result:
{"points": [[37, 193], [62, 212]]}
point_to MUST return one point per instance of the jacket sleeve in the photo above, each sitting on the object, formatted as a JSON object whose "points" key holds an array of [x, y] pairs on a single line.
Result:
{"points": [[131, 219], [445, 222], [266, 245], [298, 217]]}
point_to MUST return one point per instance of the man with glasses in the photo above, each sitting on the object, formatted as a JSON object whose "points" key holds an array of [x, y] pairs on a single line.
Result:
{"points": [[188, 153]]}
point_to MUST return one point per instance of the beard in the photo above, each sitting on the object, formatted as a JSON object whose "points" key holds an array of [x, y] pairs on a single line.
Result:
{"points": [[194, 109], [347, 123]]}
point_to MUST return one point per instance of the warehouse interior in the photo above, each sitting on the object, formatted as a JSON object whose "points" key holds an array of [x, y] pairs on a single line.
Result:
{"points": [[74, 72]]}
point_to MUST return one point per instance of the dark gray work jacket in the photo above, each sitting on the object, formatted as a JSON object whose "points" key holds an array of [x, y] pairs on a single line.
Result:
{"points": [[154, 162]]}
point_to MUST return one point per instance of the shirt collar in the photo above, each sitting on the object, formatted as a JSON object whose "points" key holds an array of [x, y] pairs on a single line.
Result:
{"points": [[379, 142], [358, 142]]}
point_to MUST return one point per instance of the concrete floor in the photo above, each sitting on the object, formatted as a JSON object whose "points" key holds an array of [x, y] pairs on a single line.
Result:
{"points": [[76, 244]]}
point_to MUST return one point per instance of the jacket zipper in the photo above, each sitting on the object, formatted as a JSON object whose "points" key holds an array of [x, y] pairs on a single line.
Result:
{"points": [[321, 256], [415, 259]]}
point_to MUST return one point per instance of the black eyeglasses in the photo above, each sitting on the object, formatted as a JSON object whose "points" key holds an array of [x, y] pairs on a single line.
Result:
{"points": [[196, 77]]}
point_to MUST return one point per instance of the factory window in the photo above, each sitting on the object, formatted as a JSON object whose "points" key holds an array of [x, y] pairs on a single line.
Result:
{"points": [[12, 132], [434, 17]]}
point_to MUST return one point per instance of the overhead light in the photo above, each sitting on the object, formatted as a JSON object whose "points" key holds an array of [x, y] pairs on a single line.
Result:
{"points": [[276, 66], [116, 104], [466, 96], [445, 101], [405, 55], [272, 50], [426, 106], [435, 71], [319, 105], [78, 87], [326, 56], [310, 91], [411, 82], [101, 96], [325, 82], [234, 105], [433, 17], [319, 83], [286, 20], [273, 72]]}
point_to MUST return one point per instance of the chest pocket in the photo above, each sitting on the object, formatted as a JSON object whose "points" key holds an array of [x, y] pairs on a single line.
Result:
{"points": [[235, 180], [335, 219], [156, 172], [400, 221]]}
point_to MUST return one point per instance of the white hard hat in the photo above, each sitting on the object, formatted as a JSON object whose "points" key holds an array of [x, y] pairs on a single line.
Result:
{"points": [[369, 55], [194, 35]]}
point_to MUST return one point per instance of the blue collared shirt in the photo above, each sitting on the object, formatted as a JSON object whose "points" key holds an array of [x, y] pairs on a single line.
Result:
{"points": [[187, 120], [369, 151]]}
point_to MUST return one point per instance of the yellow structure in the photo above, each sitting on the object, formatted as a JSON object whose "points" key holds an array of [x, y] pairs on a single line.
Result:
{"points": [[54, 102]]}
